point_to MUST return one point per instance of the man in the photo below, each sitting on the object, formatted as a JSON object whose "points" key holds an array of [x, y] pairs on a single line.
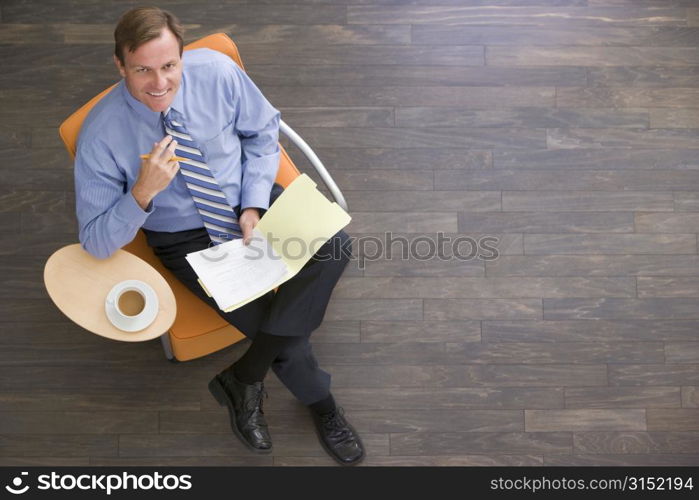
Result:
{"points": [[203, 107]]}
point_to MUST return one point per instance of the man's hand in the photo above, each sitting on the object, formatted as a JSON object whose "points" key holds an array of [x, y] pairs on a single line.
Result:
{"points": [[247, 221], [156, 172]]}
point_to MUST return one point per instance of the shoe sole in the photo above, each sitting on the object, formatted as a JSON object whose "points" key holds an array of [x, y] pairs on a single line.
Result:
{"points": [[332, 455], [219, 394]]}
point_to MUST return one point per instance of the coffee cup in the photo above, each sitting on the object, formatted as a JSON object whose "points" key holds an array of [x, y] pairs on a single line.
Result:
{"points": [[130, 302], [131, 305]]}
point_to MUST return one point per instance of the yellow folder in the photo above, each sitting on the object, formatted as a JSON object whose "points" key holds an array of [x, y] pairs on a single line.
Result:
{"points": [[299, 222]]}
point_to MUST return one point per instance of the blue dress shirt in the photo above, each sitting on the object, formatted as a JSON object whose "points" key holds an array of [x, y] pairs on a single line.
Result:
{"points": [[237, 131]]}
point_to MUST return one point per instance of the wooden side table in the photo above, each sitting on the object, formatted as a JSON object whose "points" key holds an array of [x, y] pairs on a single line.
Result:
{"points": [[78, 284]]}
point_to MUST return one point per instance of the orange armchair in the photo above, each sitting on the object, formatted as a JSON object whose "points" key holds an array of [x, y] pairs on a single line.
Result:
{"points": [[198, 330]]}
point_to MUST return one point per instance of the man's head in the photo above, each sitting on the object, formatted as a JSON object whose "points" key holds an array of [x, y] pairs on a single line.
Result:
{"points": [[148, 54]]}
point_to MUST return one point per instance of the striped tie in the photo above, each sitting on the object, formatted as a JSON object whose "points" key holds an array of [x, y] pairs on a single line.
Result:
{"points": [[219, 218]]}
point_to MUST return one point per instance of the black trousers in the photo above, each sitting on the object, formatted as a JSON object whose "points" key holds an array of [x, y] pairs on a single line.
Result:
{"points": [[295, 310]]}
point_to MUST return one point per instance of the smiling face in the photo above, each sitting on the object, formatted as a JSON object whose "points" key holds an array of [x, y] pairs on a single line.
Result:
{"points": [[153, 72]]}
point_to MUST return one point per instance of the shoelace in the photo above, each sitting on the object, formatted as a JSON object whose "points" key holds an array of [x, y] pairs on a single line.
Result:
{"points": [[335, 423], [257, 402]]}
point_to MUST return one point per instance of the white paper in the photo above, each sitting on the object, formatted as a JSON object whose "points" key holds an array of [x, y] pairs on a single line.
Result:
{"points": [[232, 272]]}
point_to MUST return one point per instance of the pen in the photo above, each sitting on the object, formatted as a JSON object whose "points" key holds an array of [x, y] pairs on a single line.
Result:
{"points": [[174, 158]]}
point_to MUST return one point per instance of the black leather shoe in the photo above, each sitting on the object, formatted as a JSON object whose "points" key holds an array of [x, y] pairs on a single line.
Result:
{"points": [[244, 403], [338, 437]]}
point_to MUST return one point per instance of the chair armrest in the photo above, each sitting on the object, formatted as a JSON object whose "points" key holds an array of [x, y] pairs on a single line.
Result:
{"points": [[315, 161]]}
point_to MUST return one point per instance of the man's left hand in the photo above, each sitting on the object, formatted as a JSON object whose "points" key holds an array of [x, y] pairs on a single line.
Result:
{"points": [[248, 220]]}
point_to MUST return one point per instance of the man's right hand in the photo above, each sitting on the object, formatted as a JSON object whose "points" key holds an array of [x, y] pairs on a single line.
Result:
{"points": [[156, 172]]}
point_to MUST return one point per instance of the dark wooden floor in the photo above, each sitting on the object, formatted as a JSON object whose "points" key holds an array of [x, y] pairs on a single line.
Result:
{"points": [[568, 129]]}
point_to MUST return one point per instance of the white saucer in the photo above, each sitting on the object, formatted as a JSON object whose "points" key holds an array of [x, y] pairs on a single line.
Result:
{"points": [[132, 323]]}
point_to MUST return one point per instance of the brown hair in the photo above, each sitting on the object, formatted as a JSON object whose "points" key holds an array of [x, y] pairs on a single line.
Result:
{"points": [[143, 24]]}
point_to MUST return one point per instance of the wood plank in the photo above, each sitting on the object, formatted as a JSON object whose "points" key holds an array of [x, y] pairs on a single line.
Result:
{"points": [[340, 159], [374, 137], [622, 397], [693, 17], [615, 460], [673, 419], [653, 375], [49, 223], [419, 331], [682, 352], [690, 397], [584, 420], [57, 445], [632, 78], [450, 398], [249, 460], [451, 443], [494, 179], [455, 81], [301, 35], [366, 422], [76, 422], [667, 287], [21, 332], [592, 56], [610, 158], [609, 244], [522, 36], [24, 200], [91, 11], [428, 201], [603, 138], [468, 375], [89, 400], [207, 445], [457, 309], [380, 179], [13, 137], [381, 353], [589, 331], [673, 118], [444, 245], [686, 201], [44, 461], [92, 354], [635, 442], [419, 267], [587, 201], [534, 352], [597, 265], [666, 223], [337, 331], [118, 377], [505, 16], [545, 222], [339, 117], [483, 93], [492, 460], [408, 222], [23, 276], [620, 308], [521, 117], [632, 97], [446, 287], [403, 55], [365, 309]]}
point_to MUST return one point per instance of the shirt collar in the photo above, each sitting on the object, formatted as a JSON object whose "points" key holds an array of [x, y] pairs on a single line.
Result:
{"points": [[152, 118]]}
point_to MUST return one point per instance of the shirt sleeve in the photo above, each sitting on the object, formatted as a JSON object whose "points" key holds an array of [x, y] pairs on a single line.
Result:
{"points": [[108, 215], [257, 125]]}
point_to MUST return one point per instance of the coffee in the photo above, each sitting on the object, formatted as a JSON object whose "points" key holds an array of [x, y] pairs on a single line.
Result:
{"points": [[131, 302]]}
